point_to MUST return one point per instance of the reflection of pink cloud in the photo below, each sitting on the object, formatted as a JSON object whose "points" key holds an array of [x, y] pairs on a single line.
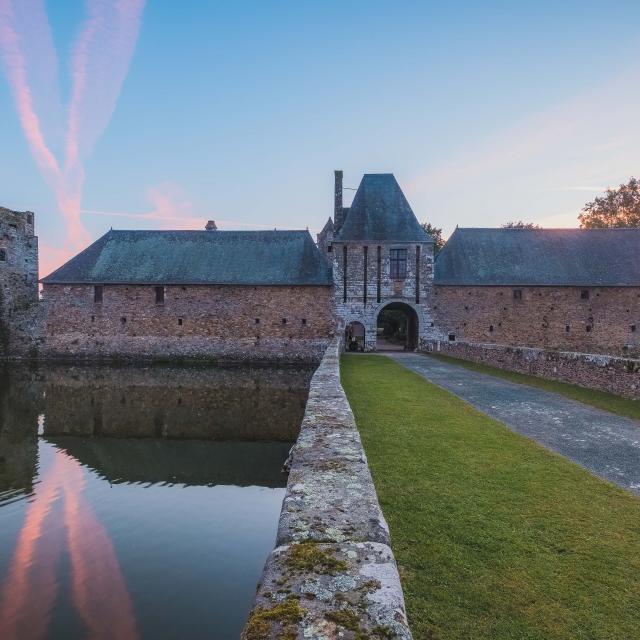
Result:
{"points": [[99, 64], [99, 590]]}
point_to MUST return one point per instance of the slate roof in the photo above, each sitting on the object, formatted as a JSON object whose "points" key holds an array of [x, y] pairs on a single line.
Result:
{"points": [[197, 257], [571, 257], [380, 213]]}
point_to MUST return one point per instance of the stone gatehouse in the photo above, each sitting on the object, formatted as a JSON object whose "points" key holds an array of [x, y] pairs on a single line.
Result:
{"points": [[278, 295]]}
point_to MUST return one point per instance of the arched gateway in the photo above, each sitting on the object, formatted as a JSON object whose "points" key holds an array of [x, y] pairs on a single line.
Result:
{"points": [[397, 328]]}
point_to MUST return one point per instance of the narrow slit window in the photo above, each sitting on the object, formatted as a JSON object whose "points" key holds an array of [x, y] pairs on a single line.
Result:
{"points": [[159, 295], [3, 255], [365, 265], [97, 293], [180, 322], [379, 273], [344, 274], [517, 294], [584, 294]]}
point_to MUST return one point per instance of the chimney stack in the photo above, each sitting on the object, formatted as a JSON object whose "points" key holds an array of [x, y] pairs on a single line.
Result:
{"points": [[337, 201], [211, 226]]}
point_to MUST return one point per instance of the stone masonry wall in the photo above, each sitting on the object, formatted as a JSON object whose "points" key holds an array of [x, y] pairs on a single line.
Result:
{"points": [[18, 280], [207, 322], [332, 574], [356, 309], [604, 373], [607, 321]]}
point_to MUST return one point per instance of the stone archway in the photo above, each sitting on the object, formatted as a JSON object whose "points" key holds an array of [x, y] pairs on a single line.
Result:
{"points": [[354, 336], [397, 327]]}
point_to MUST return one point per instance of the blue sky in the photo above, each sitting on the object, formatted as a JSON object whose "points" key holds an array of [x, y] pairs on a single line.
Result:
{"points": [[485, 112]]}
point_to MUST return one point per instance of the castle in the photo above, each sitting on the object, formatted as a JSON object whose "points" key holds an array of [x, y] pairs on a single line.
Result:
{"points": [[279, 295]]}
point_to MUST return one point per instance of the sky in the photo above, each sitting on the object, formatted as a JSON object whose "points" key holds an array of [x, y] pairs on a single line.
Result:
{"points": [[137, 114]]}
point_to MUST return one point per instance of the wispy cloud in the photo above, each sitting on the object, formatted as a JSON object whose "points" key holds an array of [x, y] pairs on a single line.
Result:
{"points": [[538, 167], [99, 65]]}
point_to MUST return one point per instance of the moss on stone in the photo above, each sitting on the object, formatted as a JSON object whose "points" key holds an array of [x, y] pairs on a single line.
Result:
{"points": [[307, 556], [287, 614]]}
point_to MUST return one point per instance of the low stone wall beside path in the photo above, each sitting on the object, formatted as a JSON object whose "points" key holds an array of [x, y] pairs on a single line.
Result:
{"points": [[613, 374], [332, 573]]}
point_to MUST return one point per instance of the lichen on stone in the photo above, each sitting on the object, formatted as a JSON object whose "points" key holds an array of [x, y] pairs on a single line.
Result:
{"points": [[286, 615], [307, 556]]}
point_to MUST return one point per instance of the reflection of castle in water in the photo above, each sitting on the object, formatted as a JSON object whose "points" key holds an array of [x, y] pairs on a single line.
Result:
{"points": [[241, 405], [235, 403]]}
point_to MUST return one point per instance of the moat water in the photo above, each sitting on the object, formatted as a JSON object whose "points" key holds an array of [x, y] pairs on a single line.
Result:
{"points": [[140, 502]]}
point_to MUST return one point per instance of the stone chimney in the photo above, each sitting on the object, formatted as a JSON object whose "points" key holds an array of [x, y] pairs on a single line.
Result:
{"points": [[211, 226], [337, 202]]}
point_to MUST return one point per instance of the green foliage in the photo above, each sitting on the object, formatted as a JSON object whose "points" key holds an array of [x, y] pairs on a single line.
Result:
{"points": [[519, 224], [436, 234], [307, 556], [495, 536], [617, 208]]}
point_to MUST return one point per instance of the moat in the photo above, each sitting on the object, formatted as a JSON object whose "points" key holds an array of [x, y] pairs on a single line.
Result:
{"points": [[140, 502]]}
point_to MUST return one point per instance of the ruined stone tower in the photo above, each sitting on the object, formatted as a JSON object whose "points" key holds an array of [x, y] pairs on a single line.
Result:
{"points": [[18, 274]]}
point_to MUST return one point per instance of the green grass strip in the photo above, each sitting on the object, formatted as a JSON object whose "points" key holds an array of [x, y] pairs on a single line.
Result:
{"points": [[599, 399], [495, 536]]}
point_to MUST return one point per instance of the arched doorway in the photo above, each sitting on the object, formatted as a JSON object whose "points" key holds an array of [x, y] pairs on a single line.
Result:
{"points": [[354, 335], [397, 328]]}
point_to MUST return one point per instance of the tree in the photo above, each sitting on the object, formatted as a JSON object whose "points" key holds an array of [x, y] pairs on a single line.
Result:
{"points": [[436, 234], [521, 225], [616, 208]]}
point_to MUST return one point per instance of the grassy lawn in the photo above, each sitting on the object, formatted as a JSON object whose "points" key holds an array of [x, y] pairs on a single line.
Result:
{"points": [[495, 536], [599, 399]]}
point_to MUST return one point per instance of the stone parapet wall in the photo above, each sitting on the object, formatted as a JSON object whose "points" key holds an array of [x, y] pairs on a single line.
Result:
{"points": [[332, 573], [193, 322], [595, 371]]}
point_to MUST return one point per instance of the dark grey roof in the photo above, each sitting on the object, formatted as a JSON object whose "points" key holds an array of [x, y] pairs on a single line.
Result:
{"points": [[197, 257], [572, 257], [380, 213]]}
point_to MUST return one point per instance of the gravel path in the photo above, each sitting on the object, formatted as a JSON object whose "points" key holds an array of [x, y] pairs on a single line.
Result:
{"points": [[604, 443]]}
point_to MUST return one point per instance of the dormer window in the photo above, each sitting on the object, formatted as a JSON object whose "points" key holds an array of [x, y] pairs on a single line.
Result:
{"points": [[398, 264]]}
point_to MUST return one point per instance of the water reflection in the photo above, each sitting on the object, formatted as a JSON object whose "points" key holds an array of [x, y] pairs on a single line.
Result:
{"points": [[163, 534]]}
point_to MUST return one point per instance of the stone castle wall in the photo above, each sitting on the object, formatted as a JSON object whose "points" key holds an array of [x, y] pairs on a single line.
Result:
{"points": [[588, 320], [18, 280], [604, 373], [206, 322], [362, 302]]}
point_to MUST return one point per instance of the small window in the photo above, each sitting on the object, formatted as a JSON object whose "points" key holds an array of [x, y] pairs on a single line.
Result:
{"points": [[159, 295], [257, 320], [567, 328], [584, 294], [517, 294], [93, 318], [3, 255], [398, 264], [284, 321], [588, 328], [304, 321], [180, 322], [97, 293], [633, 328], [490, 328], [452, 337], [123, 320], [330, 248]]}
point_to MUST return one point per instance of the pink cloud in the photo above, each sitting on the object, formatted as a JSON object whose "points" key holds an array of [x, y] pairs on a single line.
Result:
{"points": [[99, 65]]}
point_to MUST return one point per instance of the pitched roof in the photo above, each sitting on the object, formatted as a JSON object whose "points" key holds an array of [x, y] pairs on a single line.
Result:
{"points": [[571, 257], [380, 213], [197, 257]]}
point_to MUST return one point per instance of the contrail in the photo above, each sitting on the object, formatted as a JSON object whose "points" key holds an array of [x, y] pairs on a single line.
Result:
{"points": [[99, 64]]}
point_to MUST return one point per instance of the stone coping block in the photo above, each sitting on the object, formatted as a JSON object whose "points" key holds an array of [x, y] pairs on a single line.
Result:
{"points": [[332, 574], [327, 591]]}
